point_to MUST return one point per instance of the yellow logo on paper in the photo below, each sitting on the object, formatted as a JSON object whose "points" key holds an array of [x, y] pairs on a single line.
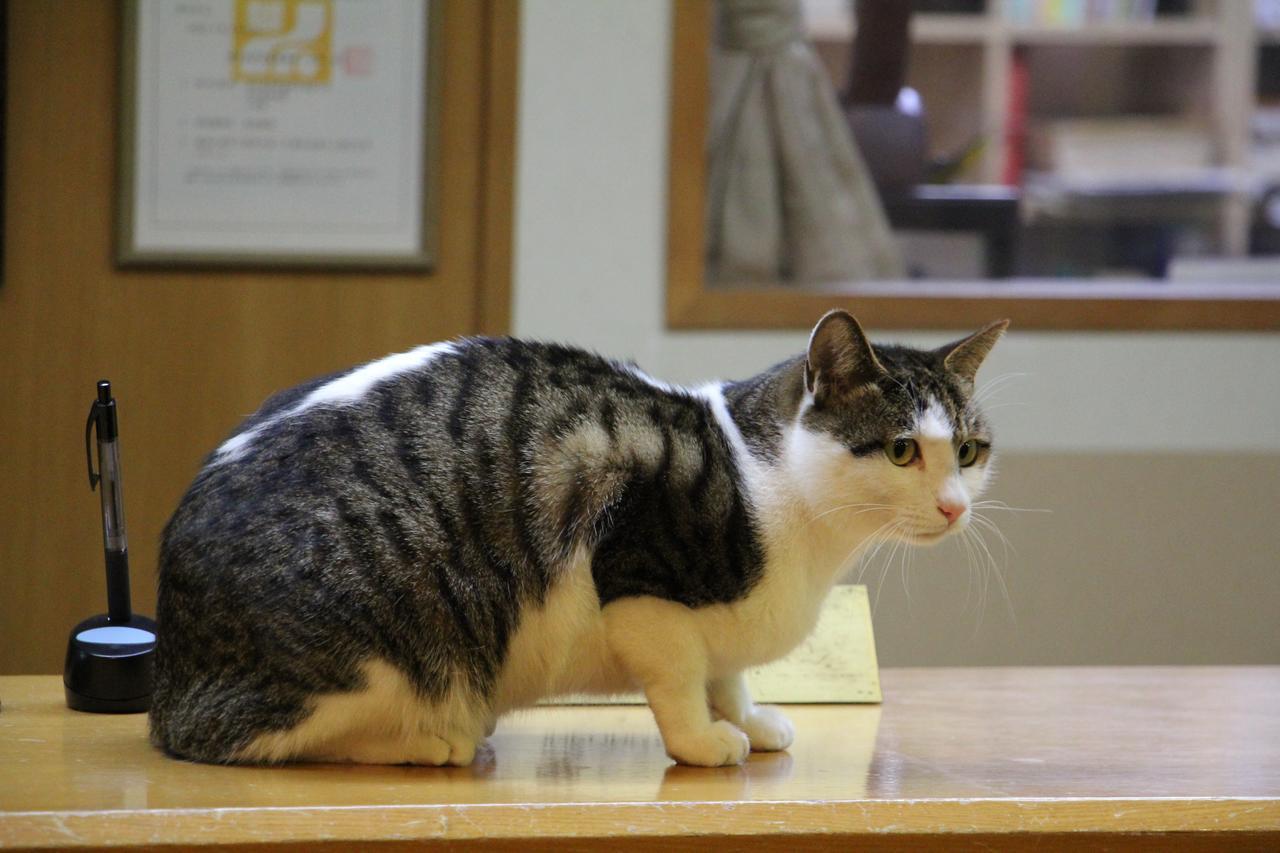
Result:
{"points": [[283, 41]]}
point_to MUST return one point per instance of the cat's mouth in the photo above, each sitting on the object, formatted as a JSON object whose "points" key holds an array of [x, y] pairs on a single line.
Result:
{"points": [[926, 537]]}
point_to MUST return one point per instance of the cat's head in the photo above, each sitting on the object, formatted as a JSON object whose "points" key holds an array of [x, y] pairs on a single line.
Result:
{"points": [[890, 433]]}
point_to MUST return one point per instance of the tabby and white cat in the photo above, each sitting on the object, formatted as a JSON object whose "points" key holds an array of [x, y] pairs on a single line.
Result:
{"points": [[380, 563]]}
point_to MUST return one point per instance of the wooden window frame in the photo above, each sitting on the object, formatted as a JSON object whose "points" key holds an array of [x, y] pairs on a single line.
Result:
{"points": [[1032, 304]]}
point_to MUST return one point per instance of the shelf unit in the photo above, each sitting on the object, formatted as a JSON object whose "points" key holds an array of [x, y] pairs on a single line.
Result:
{"points": [[1193, 30], [979, 28], [1199, 65]]}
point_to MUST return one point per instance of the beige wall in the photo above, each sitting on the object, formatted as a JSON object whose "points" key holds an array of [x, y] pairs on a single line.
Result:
{"points": [[1143, 558], [1159, 453]]}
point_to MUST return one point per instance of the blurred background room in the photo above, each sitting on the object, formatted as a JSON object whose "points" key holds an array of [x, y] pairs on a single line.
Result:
{"points": [[690, 184]]}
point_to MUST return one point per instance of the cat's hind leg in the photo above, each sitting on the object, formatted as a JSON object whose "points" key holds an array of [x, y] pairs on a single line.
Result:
{"points": [[659, 646], [386, 722], [387, 749], [425, 748]]}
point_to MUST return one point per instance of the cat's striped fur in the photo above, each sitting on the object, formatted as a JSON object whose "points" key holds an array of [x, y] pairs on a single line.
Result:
{"points": [[380, 563]]}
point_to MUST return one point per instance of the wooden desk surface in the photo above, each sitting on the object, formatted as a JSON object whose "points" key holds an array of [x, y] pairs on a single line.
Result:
{"points": [[1001, 756]]}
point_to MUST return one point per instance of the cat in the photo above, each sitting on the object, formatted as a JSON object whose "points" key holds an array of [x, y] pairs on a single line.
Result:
{"points": [[380, 563]]}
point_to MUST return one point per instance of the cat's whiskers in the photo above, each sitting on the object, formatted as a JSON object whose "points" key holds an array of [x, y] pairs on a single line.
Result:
{"points": [[1004, 507], [911, 394], [888, 564], [998, 406], [881, 537], [908, 560], [990, 388], [899, 542], [977, 579], [993, 565], [874, 538], [988, 524], [983, 572], [869, 507], [963, 542]]}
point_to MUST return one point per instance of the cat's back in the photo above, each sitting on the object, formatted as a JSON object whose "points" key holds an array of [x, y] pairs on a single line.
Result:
{"points": [[493, 452], [419, 421]]}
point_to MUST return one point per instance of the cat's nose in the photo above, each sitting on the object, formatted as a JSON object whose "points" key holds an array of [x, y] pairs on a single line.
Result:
{"points": [[951, 511]]}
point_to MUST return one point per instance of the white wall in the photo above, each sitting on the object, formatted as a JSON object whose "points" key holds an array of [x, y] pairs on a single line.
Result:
{"points": [[589, 266]]}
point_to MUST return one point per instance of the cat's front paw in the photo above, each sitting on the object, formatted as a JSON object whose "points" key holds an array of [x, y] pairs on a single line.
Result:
{"points": [[768, 729], [722, 743]]}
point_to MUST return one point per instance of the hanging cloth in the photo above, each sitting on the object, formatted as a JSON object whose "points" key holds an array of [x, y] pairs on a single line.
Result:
{"points": [[789, 197]]}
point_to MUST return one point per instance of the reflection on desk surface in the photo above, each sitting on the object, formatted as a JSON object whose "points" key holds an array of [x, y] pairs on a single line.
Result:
{"points": [[73, 761], [1108, 749], [1078, 732]]}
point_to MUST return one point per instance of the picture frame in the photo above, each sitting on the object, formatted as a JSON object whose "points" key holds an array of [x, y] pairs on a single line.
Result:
{"points": [[293, 134]]}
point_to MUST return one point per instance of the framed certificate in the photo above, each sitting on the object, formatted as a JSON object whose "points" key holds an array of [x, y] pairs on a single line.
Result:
{"points": [[295, 133]]}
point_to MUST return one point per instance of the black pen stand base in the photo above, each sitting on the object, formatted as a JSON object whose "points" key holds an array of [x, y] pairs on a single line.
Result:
{"points": [[109, 665]]}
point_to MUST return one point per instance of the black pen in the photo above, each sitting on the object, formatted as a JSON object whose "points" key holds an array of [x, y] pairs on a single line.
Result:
{"points": [[110, 657], [115, 544]]}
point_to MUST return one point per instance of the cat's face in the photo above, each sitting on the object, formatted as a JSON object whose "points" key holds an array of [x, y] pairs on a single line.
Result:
{"points": [[891, 434]]}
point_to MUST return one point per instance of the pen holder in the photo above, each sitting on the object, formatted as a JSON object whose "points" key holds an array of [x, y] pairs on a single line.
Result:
{"points": [[110, 657], [109, 665]]}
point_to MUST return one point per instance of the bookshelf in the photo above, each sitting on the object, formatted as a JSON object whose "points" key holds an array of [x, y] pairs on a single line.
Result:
{"points": [[963, 28], [1203, 296], [1196, 66], [1193, 31]]}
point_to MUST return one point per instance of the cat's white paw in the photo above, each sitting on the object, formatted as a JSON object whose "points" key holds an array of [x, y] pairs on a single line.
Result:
{"points": [[720, 744], [768, 729]]}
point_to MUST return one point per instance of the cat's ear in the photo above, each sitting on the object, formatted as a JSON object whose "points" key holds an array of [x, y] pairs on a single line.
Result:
{"points": [[840, 357], [964, 357]]}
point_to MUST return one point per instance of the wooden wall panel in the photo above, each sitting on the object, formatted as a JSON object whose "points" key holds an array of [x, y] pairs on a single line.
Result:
{"points": [[189, 352]]}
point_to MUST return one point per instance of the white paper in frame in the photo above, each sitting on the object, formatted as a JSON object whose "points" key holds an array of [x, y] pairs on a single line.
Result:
{"points": [[267, 133]]}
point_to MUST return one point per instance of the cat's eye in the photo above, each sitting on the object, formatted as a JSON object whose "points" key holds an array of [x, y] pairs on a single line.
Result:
{"points": [[968, 453], [901, 451]]}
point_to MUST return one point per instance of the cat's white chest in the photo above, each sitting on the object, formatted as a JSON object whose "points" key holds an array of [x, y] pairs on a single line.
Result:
{"points": [[772, 619], [560, 646]]}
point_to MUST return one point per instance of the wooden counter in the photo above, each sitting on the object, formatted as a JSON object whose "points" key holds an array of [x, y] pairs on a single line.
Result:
{"points": [[992, 758]]}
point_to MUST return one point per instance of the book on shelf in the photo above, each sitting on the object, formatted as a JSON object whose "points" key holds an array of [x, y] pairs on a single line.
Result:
{"points": [[1078, 13], [1128, 148], [1015, 125]]}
